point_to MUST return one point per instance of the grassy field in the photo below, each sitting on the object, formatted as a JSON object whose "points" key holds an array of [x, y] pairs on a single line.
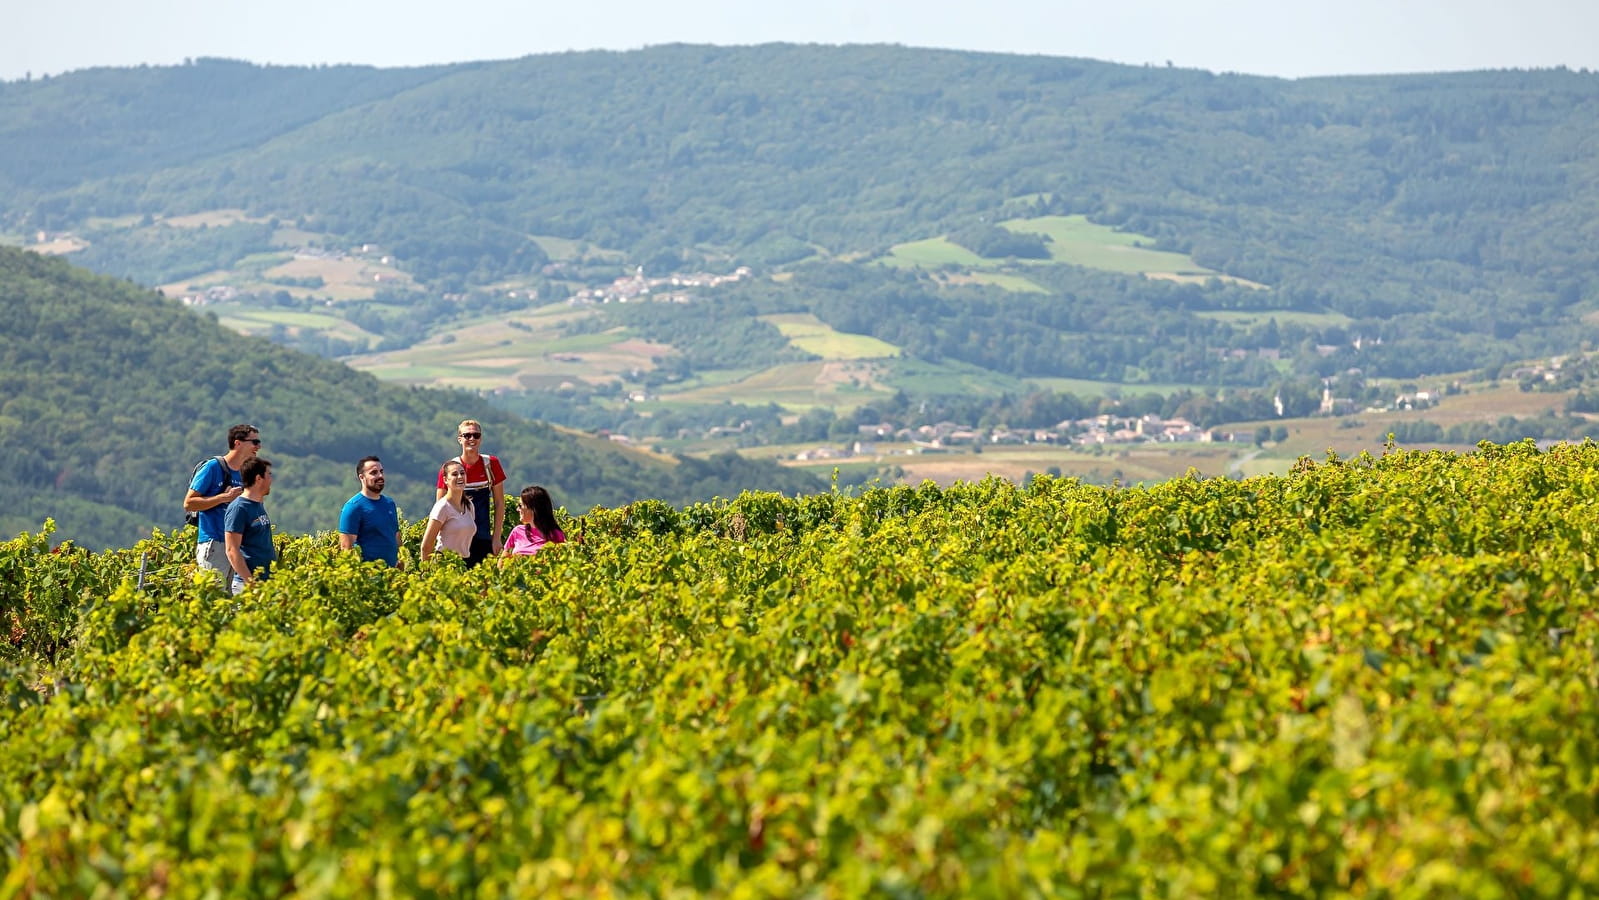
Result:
{"points": [[1079, 242], [812, 335], [1016, 284], [932, 253], [918, 376], [1073, 240], [258, 321]]}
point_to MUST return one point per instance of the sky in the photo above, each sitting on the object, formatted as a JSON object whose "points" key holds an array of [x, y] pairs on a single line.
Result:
{"points": [[1287, 38]]}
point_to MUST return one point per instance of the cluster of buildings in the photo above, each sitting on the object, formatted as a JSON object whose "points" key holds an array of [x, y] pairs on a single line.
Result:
{"points": [[670, 289], [1095, 431], [217, 293]]}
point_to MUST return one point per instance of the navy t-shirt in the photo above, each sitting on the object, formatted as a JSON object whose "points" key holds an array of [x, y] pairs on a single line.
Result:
{"points": [[248, 518]]}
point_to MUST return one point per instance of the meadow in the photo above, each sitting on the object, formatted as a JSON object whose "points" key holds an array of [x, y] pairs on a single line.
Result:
{"points": [[1373, 676], [812, 335]]}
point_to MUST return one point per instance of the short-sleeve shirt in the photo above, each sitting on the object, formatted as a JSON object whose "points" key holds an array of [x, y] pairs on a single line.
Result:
{"points": [[457, 527], [212, 479], [481, 477], [248, 518], [376, 526], [527, 540]]}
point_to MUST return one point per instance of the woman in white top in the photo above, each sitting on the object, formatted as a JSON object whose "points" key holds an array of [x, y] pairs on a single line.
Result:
{"points": [[451, 523]]}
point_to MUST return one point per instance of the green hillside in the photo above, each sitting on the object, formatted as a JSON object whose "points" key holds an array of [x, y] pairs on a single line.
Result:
{"points": [[1050, 218], [109, 394]]}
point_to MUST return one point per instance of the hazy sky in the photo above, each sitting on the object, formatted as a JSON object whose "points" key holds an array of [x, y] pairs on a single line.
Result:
{"points": [[1269, 37]]}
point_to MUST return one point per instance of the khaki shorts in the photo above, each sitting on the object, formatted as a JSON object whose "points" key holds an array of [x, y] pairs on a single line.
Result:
{"points": [[213, 555]]}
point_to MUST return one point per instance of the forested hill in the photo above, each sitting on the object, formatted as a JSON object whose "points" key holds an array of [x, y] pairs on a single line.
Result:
{"points": [[1362, 195], [109, 394]]}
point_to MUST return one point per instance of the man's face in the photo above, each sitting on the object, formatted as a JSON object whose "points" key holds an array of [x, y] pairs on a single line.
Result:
{"points": [[263, 483], [251, 444], [372, 477], [470, 436]]}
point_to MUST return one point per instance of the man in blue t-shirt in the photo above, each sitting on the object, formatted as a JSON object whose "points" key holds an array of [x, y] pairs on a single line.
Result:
{"points": [[370, 519], [248, 530], [216, 484]]}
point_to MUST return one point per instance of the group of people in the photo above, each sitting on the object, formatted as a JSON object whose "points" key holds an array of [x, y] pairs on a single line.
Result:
{"points": [[227, 494]]}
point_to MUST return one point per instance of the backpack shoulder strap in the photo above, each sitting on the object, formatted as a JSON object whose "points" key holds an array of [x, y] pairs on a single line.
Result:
{"points": [[222, 472]]}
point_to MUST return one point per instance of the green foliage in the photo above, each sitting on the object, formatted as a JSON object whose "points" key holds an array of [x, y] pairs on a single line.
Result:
{"points": [[162, 255], [1368, 677]]}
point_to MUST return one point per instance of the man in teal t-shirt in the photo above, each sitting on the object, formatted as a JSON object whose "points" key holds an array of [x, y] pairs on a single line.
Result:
{"points": [[369, 519]]}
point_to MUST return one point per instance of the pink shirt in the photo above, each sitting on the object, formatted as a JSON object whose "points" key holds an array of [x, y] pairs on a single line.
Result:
{"points": [[527, 540]]}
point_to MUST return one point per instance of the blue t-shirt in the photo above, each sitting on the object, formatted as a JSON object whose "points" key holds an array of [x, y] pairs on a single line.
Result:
{"points": [[213, 478], [248, 518], [376, 526]]}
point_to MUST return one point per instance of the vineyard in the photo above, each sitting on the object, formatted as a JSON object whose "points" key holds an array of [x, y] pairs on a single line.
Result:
{"points": [[1375, 676]]}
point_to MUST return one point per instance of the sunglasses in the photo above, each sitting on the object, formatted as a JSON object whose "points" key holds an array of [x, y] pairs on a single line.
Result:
{"points": [[472, 435], [255, 441]]}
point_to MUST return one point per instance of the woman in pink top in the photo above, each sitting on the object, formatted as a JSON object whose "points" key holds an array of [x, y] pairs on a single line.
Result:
{"points": [[452, 522], [538, 524]]}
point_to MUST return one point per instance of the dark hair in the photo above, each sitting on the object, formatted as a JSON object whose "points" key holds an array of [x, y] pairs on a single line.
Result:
{"points": [[466, 502], [253, 469], [360, 466], [239, 432], [537, 499]]}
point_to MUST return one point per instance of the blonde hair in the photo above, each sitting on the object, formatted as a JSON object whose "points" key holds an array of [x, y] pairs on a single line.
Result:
{"points": [[472, 422]]}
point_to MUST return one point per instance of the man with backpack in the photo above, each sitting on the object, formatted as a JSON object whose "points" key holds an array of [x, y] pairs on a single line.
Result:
{"points": [[215, 484]]}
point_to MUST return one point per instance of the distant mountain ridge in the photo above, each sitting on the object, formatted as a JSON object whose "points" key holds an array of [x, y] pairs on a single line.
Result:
{"points": [[110, 394], [1450, 215]]}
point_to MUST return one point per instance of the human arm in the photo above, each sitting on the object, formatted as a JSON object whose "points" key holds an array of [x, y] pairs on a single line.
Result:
{"points": [[349, 525], [497, 505], [233, 543], [212, 478], [430, 536], [194, 501]]}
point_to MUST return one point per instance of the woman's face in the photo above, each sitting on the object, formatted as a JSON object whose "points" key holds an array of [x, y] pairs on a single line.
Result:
{"points": [[455, 477]]}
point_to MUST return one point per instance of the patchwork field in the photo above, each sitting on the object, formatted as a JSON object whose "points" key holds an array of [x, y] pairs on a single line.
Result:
{"points": [[520, 350], [812, 335], [1073, 240], [256, 321], [840, 384]]}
